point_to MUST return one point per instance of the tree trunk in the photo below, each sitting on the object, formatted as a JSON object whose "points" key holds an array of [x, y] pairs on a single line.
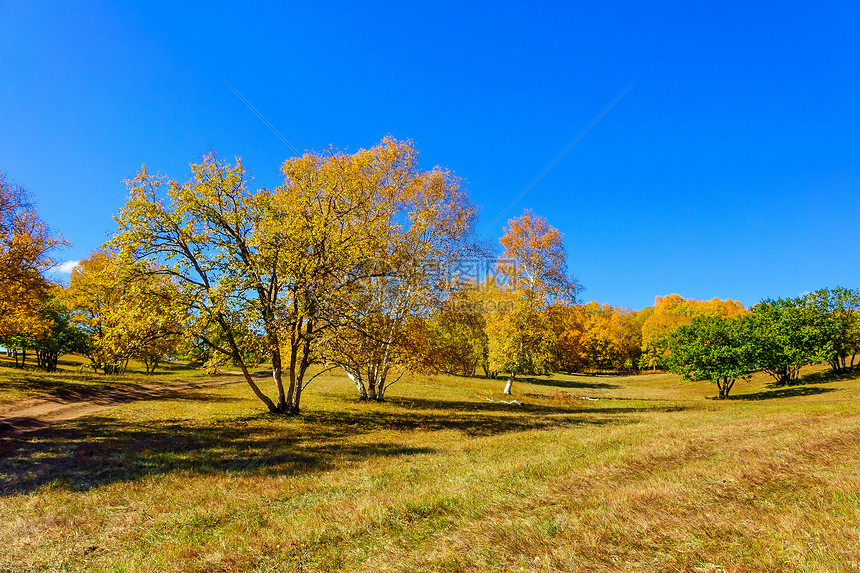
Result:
{"points": [[510, 383], [371, 381], [720, 388], [381, 378], [297, 374], [359, 384], [237, 358], [725, 387], [53, 358], [149, 364], [277, 369]]}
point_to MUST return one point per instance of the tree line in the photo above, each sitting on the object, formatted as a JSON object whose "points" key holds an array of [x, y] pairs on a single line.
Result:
{"points": [[777, 336], [356, 262]]}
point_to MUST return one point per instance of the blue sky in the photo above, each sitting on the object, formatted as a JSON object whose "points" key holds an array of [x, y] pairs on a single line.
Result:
{"points": [[730, 168]]}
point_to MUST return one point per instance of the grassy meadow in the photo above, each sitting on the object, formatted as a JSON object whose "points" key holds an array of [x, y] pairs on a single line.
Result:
{"points": [[75, 378], [654, 475]]}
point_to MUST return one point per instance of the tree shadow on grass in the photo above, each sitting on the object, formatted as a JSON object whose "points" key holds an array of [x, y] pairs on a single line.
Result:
{"points": [[605, 373], [553, 406], [557, 383], [98, 450], [830, 376], [110, 393], [52, 386], [95, 387], [790, 392]]}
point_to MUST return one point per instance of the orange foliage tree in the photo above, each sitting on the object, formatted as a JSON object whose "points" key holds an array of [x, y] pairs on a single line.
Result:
{"points": [[597, 336], [25, 244], [671, 312]]}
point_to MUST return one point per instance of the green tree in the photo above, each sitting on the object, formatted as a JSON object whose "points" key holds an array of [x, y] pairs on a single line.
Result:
{"points": [[836, 313], [784, 337], [670, 312], [456, 338], [715, 349]]}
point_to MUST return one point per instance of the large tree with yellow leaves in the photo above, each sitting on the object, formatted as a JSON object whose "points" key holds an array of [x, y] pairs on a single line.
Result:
{"points": [[285, 273]]}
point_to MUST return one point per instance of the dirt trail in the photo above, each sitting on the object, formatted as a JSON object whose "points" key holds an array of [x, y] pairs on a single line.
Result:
{"points": [[36, 413]]}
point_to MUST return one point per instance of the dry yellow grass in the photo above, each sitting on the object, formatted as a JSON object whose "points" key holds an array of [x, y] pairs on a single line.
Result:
{"points": [[652, 476]]}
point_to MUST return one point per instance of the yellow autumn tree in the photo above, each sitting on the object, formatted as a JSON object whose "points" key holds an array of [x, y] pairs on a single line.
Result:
{"points": [[596, 336], [244, 265], [456, 340], [416, 224], [25, 246], [569, 325], [613, 339], [534, 264], [280, 274], [124, 314]]}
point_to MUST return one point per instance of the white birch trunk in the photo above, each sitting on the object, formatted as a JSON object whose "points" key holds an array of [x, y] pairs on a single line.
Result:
{"points": [[510, 384], [359, 384]]}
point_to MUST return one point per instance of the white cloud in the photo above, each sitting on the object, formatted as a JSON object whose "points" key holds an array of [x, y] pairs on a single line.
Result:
{"points": [[65, 268]]}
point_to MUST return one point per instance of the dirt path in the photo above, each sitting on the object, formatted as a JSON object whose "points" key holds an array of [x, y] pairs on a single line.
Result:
{"points": [[36, 413]]}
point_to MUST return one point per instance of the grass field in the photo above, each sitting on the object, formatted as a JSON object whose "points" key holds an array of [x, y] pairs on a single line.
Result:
{"points": [[75, 377], [652, 476]]}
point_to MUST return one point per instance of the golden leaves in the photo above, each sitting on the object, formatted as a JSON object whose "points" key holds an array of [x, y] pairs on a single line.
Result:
{"points": [[25, 242], [536, 260]]}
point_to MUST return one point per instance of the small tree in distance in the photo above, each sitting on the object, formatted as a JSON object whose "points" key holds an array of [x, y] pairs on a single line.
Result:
{"points": [[122, 316]]}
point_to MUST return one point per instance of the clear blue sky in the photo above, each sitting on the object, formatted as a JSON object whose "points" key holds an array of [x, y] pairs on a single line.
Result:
{"points": [[731, 168]]}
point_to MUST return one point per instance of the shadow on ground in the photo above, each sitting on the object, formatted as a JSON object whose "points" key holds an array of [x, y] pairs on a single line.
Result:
{"points": [[94, 388], [123, 393], [53, 386], [790, 392], [98, 450], [830, 376], [559, 383]]}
